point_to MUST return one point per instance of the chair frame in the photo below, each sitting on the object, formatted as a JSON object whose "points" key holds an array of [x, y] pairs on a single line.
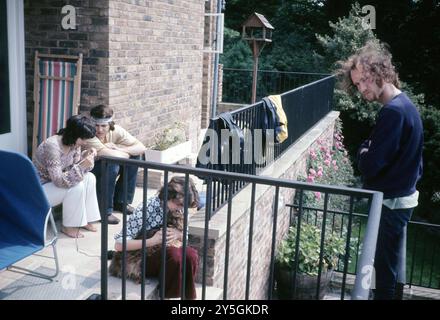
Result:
{"points": [[37, 76], [52, 242]]}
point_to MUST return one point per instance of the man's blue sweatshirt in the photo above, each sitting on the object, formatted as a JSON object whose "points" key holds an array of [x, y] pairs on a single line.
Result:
{"points": [[393, 162]]}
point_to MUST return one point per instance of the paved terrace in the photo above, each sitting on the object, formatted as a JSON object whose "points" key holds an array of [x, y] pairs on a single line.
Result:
{"points": [[79, 275]]}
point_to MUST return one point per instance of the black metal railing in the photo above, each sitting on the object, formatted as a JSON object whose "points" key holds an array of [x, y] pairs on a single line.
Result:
{"points": [[303, 106], [422, 267], [360, 291], [423, 255], [236, 86]]}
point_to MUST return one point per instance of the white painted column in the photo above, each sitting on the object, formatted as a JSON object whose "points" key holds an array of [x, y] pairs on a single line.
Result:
{"points": [[16, 140]]}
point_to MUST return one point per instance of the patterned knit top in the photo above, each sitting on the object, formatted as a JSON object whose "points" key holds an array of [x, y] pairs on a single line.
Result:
{"points": [[53, 165], [154, 219]]}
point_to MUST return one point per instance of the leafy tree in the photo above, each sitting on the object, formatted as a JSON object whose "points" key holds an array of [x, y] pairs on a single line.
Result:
{"points": [[429, 202], [412, 29], [294, 41], [237, 11], [236, 52]]}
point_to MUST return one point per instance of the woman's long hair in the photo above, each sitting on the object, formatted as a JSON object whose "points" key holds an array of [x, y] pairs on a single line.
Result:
{"points": [[176, 190], [77, 126]]}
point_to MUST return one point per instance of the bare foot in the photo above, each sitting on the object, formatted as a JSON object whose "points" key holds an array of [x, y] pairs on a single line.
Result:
{"points": [[90, 227], [72, 232]]}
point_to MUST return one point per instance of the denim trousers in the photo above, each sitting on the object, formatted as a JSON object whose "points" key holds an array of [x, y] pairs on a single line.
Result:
{"points": [[115, 183], [390, 258]]}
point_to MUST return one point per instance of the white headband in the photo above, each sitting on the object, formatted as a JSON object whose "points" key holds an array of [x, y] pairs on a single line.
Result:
{"points": [[102, 120]]}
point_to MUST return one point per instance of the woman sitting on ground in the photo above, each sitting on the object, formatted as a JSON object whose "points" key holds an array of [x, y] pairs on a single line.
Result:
{"points": [[64, 173], [174, 238]]}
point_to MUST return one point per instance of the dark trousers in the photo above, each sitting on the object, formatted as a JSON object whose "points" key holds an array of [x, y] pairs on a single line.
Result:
{"points": [[115, 193], [173, 271], [390, 251]]}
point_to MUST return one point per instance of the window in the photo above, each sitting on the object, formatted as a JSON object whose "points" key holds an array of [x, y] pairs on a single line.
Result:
{"points": [[5, 118]]}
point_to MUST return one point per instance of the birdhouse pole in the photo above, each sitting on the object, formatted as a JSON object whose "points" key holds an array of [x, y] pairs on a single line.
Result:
{"points": [[257, 31], [255, 53]]}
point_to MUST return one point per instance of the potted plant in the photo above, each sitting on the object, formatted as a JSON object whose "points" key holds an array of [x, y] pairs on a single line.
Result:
{"points": [[308, 262], [170, 146]]}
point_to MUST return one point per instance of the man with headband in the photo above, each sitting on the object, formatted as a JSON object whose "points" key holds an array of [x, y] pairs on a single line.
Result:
{"points": [[112, 140]]}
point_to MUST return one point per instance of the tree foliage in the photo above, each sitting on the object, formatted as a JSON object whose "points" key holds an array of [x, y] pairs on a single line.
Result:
{"points": [[359, 116], [312, 35]]}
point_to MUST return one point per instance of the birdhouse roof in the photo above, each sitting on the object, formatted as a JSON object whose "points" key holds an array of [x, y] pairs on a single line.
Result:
{"points": [[257, 20]]}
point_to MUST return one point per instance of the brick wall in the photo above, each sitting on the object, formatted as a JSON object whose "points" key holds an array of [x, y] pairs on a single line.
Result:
{"points": [[43, 32], [142, 58], [155, 65], [294, 160]]}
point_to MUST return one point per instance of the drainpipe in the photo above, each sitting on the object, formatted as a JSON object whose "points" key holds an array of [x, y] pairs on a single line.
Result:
{"points": [[220, 6]]}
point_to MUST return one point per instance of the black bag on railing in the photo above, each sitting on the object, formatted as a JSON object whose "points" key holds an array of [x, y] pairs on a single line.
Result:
{"points": [[212, 153]]}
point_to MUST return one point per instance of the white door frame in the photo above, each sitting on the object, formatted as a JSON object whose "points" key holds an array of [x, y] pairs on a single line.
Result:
{"points": [[16, 140]]}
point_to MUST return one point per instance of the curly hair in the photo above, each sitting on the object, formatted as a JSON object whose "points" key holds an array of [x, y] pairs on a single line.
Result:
{"points": [[375, 60], [176, 190]]}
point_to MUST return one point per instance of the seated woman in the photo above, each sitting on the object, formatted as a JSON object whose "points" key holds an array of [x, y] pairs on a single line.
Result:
{"points": [[174, 236], [64, 173]]}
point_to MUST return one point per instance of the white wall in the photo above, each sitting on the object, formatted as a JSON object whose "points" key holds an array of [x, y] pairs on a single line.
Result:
{"points": [[16, 139]]}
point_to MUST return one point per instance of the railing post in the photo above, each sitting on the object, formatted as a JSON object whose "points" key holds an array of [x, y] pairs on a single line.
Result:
{"points": [[228, 238], [144, 232], [104, 230], [164, 236], [185, 235], [274, 239], [365, 267], [347, 247], [251, 231]]}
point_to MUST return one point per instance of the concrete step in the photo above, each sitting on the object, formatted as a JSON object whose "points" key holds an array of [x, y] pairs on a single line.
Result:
{"points": [[133, 290]]}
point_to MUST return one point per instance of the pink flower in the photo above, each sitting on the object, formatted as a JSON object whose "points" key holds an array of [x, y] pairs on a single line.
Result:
{"points": [[319, 174], [336, 168], [334, 162], [327, 162], [310, 179], [317, 195], [312, 172]]}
